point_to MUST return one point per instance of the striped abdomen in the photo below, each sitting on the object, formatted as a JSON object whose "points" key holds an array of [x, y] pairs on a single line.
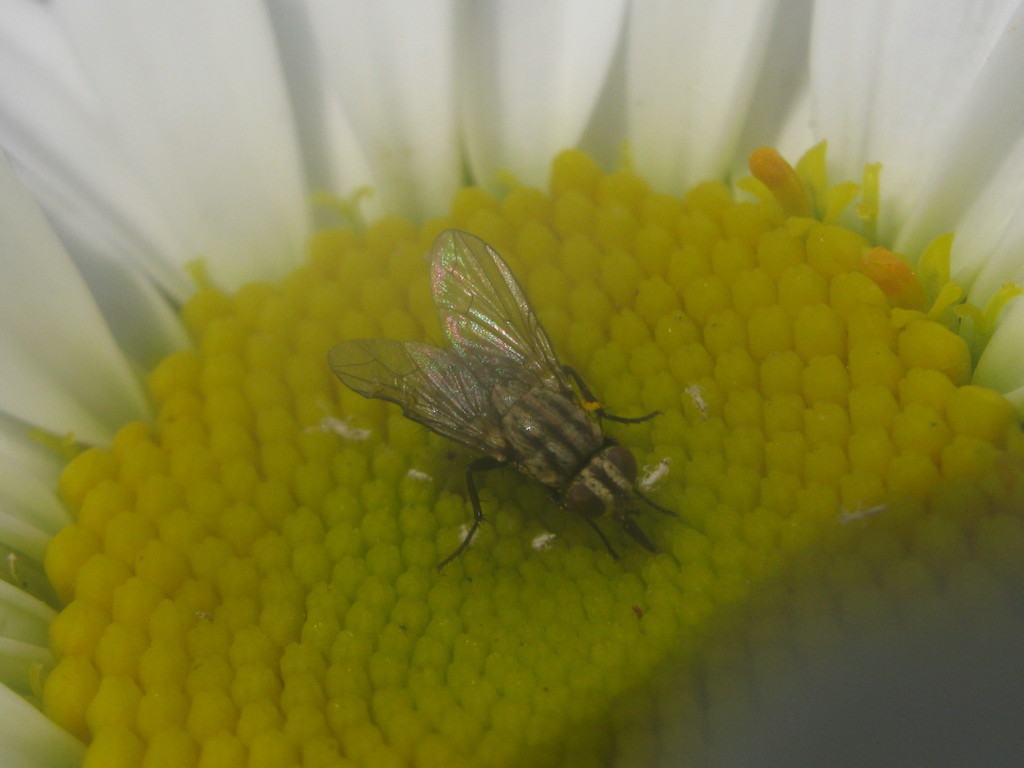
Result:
{"points": [[550, 437], [555, 441]]}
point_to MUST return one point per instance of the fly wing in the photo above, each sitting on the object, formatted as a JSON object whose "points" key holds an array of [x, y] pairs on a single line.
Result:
{"points": [[435, 387], [483, 310]]}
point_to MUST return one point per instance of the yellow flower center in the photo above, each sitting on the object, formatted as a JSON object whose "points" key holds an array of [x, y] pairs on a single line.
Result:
{"points": [[251, 581]]}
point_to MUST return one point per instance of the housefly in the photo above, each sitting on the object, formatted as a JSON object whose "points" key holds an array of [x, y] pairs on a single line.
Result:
{"points": [[500, 389]]}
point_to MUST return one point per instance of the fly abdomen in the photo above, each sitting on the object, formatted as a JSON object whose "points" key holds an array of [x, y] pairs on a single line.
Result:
{"points": [[550, 435]]}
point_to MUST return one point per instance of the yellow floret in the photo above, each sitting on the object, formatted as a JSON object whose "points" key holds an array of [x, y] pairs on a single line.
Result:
{"points": [[115, 703], [251, 580], [926, 344], [115, 747], [833, 250], [980, 413], [70, 688]]}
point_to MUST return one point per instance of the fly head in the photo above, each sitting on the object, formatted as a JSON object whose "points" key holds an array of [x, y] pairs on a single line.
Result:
{"points": [[605, 484]]}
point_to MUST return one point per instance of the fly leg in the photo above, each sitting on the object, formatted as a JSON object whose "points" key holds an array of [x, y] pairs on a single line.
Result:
{"points": [[654, 505], [637, 535], [591, 403], [607, 544], [604, 539], [482, 464]]}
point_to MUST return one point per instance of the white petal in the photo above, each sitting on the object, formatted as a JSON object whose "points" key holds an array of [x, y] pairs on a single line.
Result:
{"points": [[32, 457], [983, 157], [30, 513], [333, 158], [794, 135], [530, 74], [62, 370], [21, 536], [890, 81], [25, 621], [143, 322], [779, 113], [692, 72], [29, 740], [990, 237], [52, 127], [192, 122], [24, 617], [390, 63], [1001, 365], [981, 169], [21, 662]]}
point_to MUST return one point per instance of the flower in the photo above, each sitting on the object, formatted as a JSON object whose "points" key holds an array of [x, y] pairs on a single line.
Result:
{"points": [[235, 573]]}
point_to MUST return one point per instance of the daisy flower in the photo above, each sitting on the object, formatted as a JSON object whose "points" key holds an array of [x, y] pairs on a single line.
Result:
{"points": [[793, 229]]}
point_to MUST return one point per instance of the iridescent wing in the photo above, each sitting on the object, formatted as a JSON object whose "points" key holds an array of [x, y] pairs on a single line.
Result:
{"points": [[435, 387], [483, 310]]}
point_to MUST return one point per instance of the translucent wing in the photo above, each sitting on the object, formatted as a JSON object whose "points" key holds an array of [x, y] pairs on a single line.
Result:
{"points": [[434, 386], [483, 310]]}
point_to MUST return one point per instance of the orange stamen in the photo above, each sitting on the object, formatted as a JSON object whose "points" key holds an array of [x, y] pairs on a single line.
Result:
{"points": [[895, 277], [775, 172]]}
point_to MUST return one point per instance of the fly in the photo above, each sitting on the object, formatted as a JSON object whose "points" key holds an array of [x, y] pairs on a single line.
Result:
{"points": [[500, 389]]}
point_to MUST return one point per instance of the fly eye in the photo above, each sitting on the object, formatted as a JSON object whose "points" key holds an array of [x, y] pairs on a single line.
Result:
{"points": [[583, 501], [624, 461]]}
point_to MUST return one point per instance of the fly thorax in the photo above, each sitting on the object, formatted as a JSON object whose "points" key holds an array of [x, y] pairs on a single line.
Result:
{"points": [[508, 389], [603, 484], [550, 434]]}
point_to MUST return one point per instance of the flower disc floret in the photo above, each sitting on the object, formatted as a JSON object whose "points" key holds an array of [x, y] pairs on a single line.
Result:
{"points": [[251, 579]]}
